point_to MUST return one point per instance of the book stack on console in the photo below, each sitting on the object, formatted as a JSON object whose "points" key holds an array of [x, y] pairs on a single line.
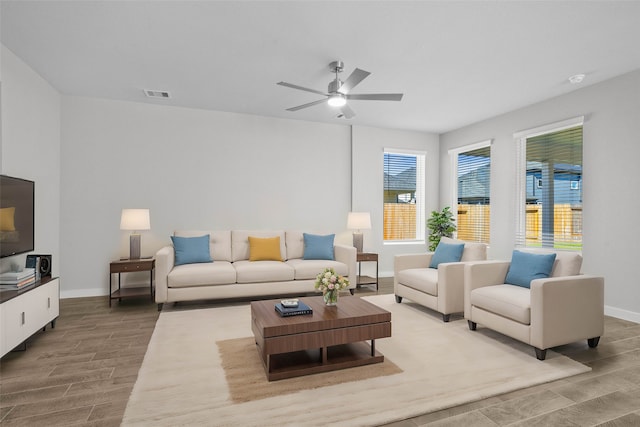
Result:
{"points": [[288, 308], [18, 279]]}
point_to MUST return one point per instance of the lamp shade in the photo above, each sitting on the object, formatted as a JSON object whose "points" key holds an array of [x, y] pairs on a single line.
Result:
{"points": [[135, 219], [359, 221]]}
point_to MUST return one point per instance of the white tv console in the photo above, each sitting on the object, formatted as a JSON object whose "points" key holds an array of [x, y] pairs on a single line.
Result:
{"points": [[25, 311]]}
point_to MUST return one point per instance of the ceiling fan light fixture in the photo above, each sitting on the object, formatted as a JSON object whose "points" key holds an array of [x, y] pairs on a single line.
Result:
{"points": [[337, 100]]}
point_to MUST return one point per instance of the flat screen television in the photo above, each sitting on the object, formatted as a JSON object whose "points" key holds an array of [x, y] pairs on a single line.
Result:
{"points": [[17, 198]]}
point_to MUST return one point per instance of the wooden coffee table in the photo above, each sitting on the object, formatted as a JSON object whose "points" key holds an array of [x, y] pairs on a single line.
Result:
{"points": [[330, 339]]}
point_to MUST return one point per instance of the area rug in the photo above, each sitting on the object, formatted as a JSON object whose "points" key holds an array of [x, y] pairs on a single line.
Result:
{"points": [[246, 379], [182, 381]]}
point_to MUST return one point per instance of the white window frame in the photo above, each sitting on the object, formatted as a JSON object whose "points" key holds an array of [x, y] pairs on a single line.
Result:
{"points": [[520, 138], [421, 164]]}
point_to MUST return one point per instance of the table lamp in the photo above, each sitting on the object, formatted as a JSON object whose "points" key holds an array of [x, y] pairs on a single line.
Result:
{"points": [[135, 220], [358, 221]]}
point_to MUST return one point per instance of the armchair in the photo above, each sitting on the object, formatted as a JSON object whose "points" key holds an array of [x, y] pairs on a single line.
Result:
{"points": [[440, 289], [563, 308]]}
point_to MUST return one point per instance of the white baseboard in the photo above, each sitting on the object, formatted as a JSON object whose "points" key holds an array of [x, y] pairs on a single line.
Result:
{"points": [[622, 314], [82, 293]]}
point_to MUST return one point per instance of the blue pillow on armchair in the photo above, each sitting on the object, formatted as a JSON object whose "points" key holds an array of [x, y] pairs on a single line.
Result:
{"points": [[191, 250], [446, 252], [318, 247], [526, 267]]}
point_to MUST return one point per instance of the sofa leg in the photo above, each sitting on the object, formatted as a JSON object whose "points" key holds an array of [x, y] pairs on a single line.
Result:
{"points": [[540, 354], [593, 342], [446, 317], [472, 325], [160, 306], [352, 291], [398, 299]]}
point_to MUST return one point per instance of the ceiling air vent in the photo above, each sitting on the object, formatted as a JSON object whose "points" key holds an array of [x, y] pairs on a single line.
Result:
{"points": [[157, 93]]}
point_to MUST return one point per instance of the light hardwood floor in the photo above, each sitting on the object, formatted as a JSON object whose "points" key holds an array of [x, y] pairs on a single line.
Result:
{"points": [[82, 372]]}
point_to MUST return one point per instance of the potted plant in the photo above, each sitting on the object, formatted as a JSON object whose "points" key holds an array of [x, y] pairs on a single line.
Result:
{"points": [[440, 224]]}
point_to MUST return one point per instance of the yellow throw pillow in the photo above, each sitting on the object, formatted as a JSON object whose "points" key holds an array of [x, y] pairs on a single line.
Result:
{"points": [[264, 249], [7, 222]]}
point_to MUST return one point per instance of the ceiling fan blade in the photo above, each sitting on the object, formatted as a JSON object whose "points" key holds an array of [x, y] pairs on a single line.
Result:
{"points": [[306, 89], [347, 112], [310, 104], [377, 97], [353, 80]]}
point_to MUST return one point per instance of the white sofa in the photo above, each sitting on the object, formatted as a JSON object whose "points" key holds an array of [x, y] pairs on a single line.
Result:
{"points": [[232, 275], [566, 307]]}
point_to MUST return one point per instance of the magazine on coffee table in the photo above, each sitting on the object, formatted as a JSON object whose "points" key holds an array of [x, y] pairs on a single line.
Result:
{"points": [[301, 309]]}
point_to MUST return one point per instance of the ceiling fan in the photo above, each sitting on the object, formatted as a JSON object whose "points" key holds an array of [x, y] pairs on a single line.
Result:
{"points": [[338, 92]]}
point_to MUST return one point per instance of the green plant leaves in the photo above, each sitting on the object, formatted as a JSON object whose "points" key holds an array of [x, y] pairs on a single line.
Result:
{"points": [[440, 224]]}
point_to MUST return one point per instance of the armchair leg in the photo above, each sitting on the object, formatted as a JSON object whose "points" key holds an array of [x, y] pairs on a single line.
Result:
{"points": [[160, 306], [446, 317], [472, 325], [398, 299], [353, 291], [540, 354], [593, 342]]}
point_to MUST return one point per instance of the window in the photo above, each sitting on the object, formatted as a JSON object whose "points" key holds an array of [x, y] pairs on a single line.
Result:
{"points": [[471, 175], [550, 186], [404, 217]]}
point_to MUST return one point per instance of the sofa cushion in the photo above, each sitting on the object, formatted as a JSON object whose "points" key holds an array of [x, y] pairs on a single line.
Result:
{"points": [[526, 267], [309, 268], [567, 263], [513, 302], [264, 249], [214, 273], [318, 247], [263, 271], [473, 251], [421, 279], [190, 250], [219, 244], [295, 244], [240, 243], [446, 252]]}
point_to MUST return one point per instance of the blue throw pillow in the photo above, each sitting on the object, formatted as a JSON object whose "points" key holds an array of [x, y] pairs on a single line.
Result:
{"points": [[318, 247], [446, 252], [191, 250], [526, 267]]}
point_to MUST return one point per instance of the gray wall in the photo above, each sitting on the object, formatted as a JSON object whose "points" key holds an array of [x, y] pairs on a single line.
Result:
{"points": [[193, 169], [30, 112], [368, 182], [611, 149]]}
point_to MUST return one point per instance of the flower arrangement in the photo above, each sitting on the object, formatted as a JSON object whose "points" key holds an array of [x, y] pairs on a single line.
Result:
{"points": [[330, 284]]}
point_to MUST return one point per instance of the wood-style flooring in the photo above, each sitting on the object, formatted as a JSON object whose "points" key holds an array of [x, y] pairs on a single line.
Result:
{"points": [[82, 372]]}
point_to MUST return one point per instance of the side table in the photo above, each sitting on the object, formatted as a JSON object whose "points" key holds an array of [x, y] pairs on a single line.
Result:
{"points": [[367, 257], [130, 266]]}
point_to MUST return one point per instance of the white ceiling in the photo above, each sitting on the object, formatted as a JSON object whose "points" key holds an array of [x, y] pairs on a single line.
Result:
{"points": [[456, 62]]}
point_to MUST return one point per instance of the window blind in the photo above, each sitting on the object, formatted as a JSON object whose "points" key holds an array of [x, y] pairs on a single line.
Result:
{"points": [[403, 196], [550, 187], [473, 194]]}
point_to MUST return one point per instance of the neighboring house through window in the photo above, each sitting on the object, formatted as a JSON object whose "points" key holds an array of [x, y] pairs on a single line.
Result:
{"points": [[404, 194], [549, 210], [471, 197]]}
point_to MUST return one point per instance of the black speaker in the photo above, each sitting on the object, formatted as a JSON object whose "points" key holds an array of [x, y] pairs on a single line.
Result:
{"points": [[41, 262]]}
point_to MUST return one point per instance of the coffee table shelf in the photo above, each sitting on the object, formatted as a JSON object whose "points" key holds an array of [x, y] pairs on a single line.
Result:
{"points": [[308, 362]]}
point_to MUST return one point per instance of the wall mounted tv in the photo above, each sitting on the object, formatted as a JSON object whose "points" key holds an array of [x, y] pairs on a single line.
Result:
{"points": [[16, 215]]}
